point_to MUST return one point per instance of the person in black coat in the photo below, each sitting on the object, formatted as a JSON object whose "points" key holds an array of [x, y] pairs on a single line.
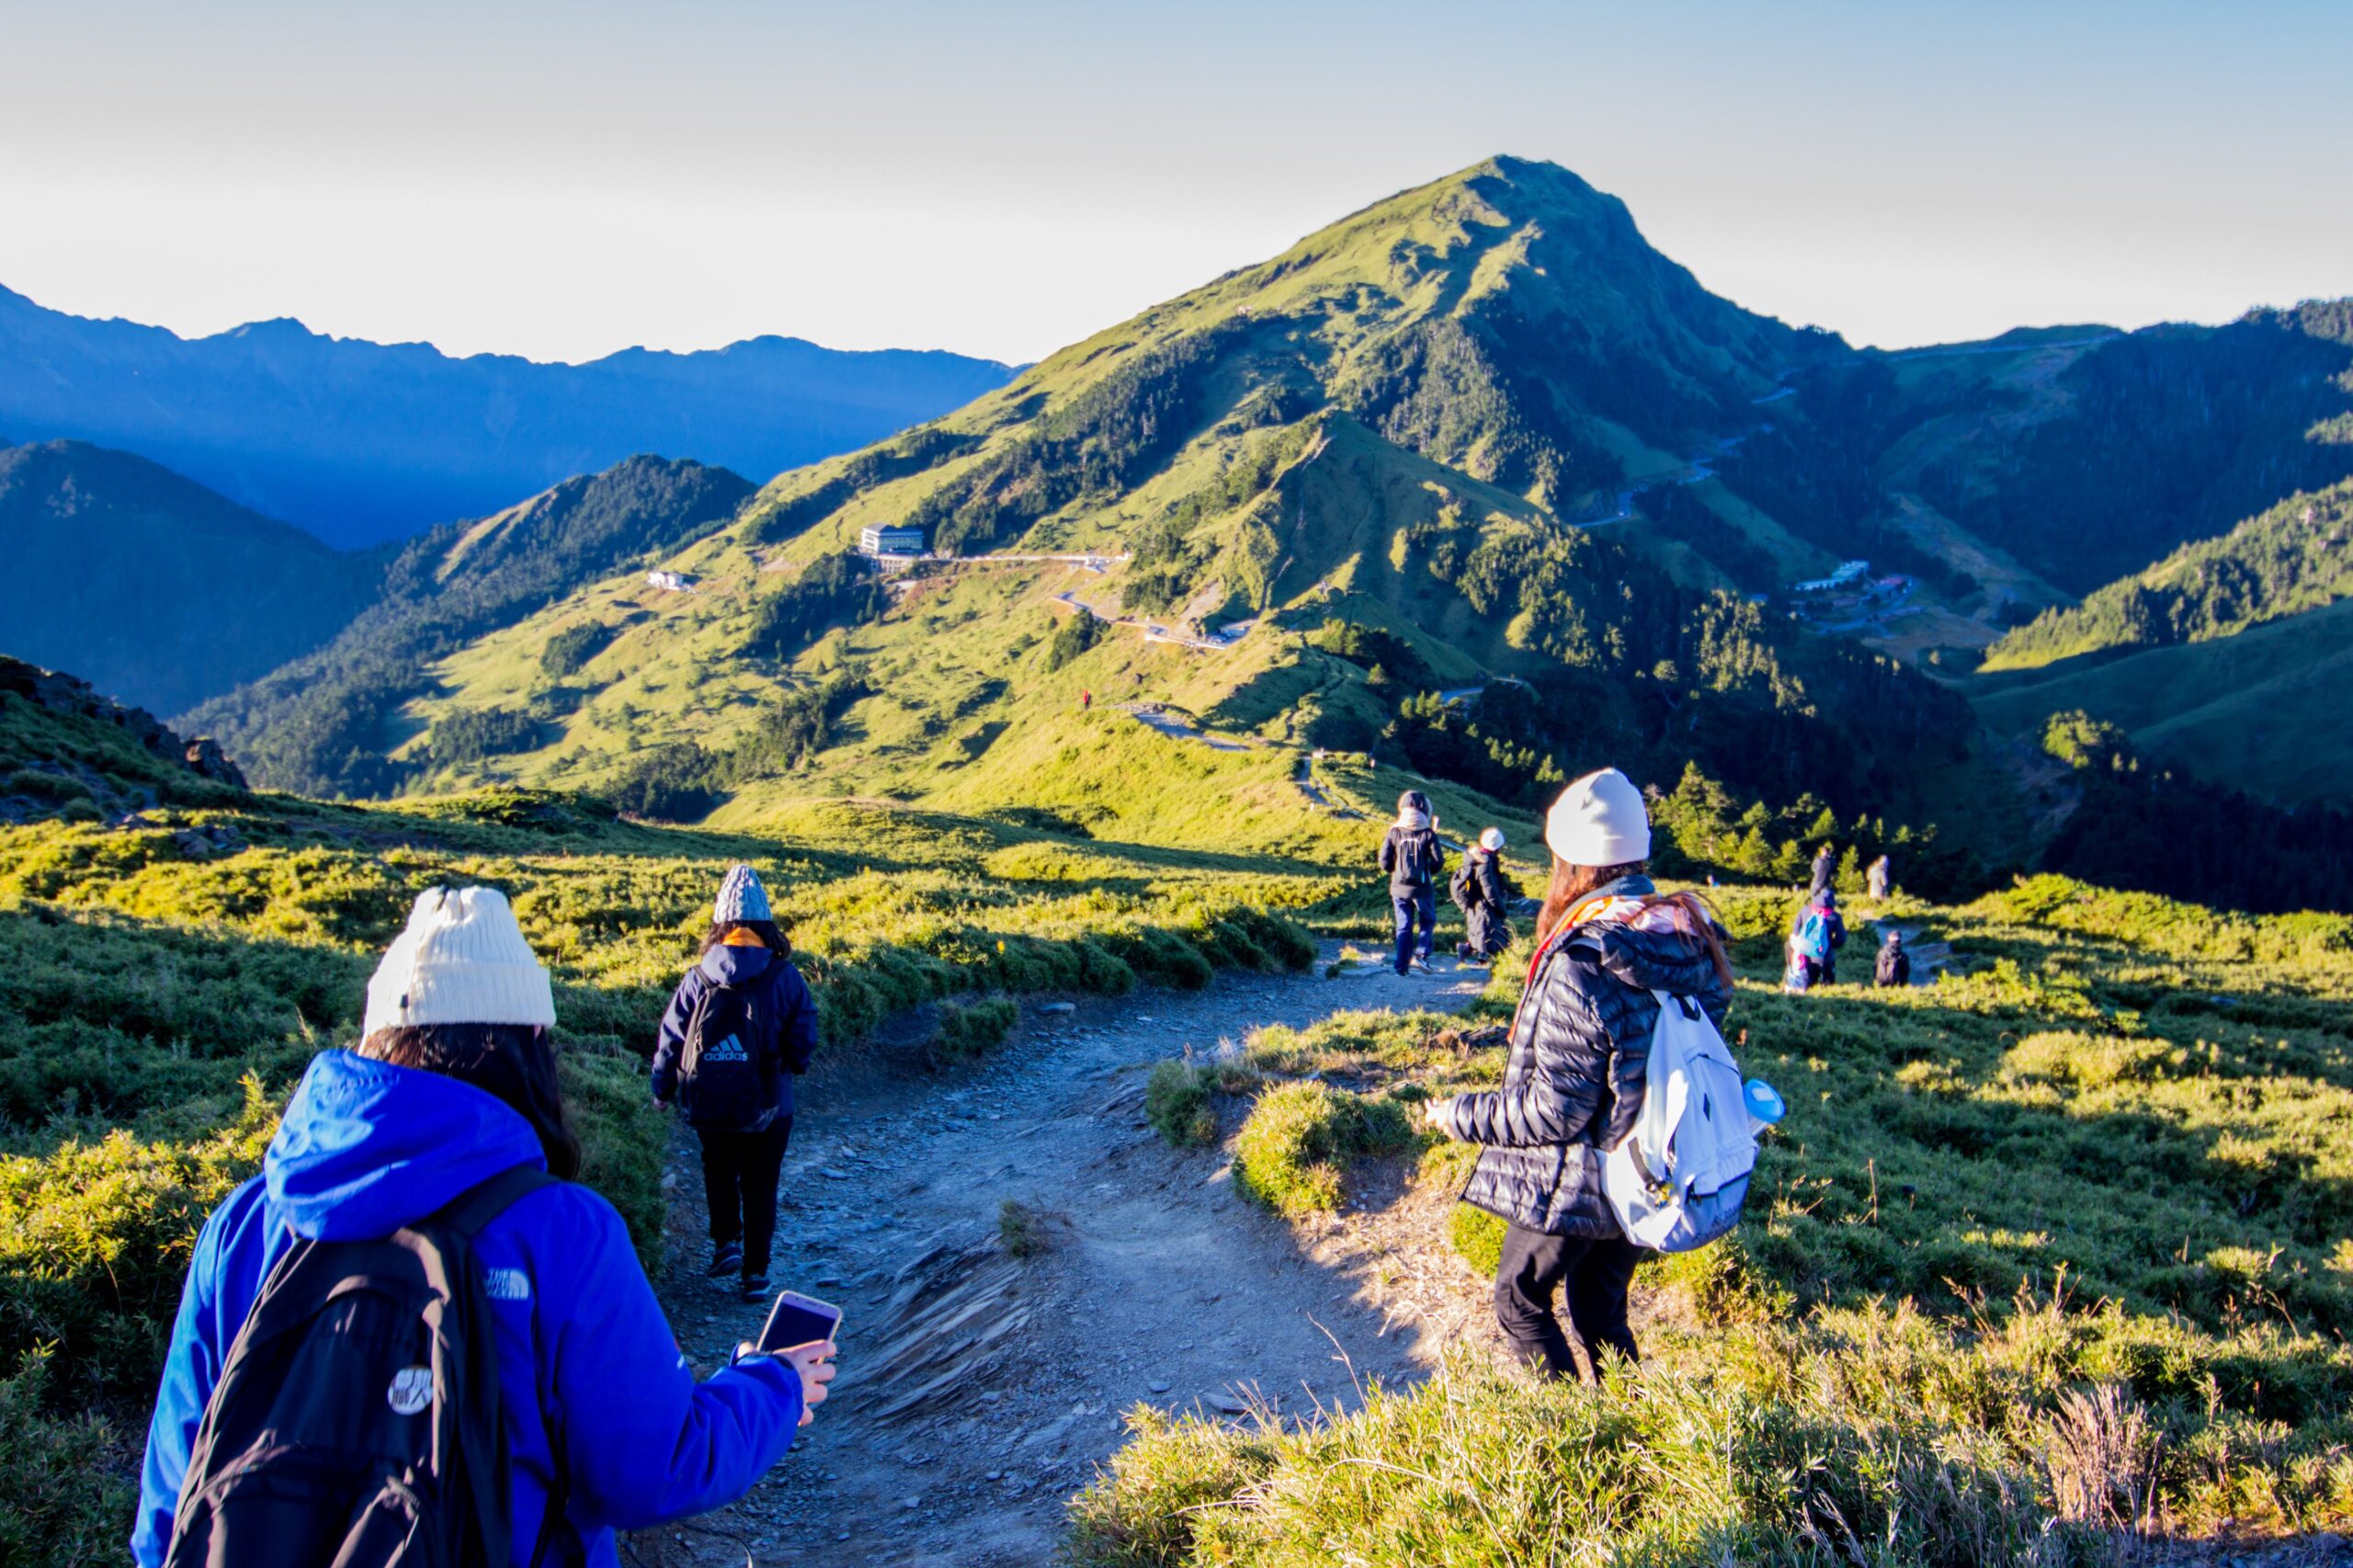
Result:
{"points": [[1484, 895], [1574, 1075], [745, 962], [1415, 861], [1895, 966]]}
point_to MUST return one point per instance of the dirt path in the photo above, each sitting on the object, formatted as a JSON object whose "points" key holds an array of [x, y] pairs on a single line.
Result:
{"points": [[980, 1389]]}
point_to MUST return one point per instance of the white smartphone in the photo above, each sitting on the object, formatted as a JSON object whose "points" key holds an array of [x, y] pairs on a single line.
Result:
{"points": [[797, 1320]]}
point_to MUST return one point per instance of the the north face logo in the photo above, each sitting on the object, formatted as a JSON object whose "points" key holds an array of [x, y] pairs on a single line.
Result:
{"points": [[728, 1049], [507, 1285]]}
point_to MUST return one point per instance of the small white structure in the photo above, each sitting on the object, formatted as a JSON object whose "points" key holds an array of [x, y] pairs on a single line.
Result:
{"points": [[1849, 571], [889, 539], [671, 582]]}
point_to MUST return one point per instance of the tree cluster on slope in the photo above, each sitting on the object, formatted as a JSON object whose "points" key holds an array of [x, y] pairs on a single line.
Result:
{"points": [[683, 780], [2138, 825], [2293, 557]]}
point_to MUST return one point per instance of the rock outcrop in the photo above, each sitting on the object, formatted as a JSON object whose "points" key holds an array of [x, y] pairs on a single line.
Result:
{"points": [[59, 693]]}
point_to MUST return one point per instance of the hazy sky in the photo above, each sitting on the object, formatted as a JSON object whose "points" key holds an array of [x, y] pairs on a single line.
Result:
{"points": [[562, 180]]}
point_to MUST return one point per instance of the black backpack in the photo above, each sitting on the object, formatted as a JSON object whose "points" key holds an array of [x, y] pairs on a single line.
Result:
{"points": [[722, 1080], [357, 1420], [1463, 888]]}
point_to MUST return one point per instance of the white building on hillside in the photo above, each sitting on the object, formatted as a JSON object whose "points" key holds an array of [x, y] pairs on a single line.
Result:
{"points": [[673, 582], [1849, 571], [889, 539]]}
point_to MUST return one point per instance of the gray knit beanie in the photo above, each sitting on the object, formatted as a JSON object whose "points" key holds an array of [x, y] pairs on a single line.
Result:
{"points": [[741, 897]]}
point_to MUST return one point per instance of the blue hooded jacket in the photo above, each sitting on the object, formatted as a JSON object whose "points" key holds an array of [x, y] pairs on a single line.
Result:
{"points": [[366, 1148]]}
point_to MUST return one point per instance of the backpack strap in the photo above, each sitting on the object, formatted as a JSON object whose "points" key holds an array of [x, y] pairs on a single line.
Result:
{"points": [[466, 1215], [477, 1206]]}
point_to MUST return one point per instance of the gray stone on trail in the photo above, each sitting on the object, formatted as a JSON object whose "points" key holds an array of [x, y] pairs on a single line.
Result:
{"points": [[1059, 1009], [1158, 1388]]}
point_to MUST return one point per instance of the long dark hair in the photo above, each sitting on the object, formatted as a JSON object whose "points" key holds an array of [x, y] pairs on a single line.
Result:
{"points": [[515, 1063], [770, 933], [1571, 884]]}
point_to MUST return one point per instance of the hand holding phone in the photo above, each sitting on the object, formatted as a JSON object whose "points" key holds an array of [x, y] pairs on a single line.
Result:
{"points": [[800, 1331], [797, 1320]]}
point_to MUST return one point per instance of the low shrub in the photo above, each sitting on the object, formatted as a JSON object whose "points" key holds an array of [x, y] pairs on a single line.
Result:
{"points": [[1176, 1103], [69, 1499], [94, 1239], [1018, 1230], [968, 1030], [1771, 1450], [1477, 1237], [1291, 1151]]}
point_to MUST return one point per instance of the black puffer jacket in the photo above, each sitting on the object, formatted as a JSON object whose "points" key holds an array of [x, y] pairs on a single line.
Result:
{"points": [[1573, 1083]]}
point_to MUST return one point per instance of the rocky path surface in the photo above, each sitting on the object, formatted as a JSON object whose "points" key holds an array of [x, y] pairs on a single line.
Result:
{"points": [[979, 1389]]}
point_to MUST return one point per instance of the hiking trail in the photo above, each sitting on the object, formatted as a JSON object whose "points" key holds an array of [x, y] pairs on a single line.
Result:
{"points": [[980, 1389]]}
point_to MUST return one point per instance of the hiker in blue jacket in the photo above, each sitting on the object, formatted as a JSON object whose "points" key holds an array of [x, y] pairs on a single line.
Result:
{"points": [[1815, 937], [740, 1027], [453, 1082]]}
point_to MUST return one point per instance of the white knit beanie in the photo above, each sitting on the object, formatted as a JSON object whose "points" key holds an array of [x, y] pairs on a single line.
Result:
{"points": [[1600, 821], [1491, 840], [462, 961]]}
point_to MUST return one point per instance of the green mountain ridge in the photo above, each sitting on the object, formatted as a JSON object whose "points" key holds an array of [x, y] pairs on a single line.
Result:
{"points": [[158, 590], [1386, 425], [2295, 557], [318, 724], [1481, 428]]}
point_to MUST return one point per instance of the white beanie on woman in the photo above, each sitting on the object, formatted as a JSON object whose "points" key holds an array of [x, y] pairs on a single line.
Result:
{"points": [[462, 961], [1600, 821]]}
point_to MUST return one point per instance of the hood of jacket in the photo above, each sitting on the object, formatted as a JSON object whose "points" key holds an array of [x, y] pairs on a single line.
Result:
{"points": [[366, 1147], [725, 965], [1659, 948]]}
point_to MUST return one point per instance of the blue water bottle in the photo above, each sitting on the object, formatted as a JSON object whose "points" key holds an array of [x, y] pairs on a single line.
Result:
{"points": [[1765, 1104]]}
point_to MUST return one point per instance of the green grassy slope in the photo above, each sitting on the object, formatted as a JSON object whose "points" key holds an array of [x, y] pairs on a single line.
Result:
{"points": [[2047, 1263], [2261, 712], [164, 981]]}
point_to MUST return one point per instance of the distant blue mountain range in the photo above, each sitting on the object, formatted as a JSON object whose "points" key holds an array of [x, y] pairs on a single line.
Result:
{"points": [[359, 443]]}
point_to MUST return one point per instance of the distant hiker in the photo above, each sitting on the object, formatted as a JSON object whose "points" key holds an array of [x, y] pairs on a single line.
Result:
{"points": [[1085, 701], [1796, 975], [1875, 879], [1480, 891], [1574, 1075], [1415, 861], [555, 1406], [1825, 868], [740, 1027], [1895, 966], [1816, 936]]}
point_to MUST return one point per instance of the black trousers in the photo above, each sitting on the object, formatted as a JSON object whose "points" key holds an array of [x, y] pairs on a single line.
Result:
{"points": [[739, 1179], [1597, 1275]]}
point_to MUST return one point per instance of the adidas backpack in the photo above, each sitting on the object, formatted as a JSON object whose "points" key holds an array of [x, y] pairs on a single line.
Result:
{"points": [[357, 1420], [721, 1080], [1677, 1180]]}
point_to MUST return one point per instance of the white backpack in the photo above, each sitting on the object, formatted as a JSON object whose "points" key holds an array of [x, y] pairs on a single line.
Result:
{"points": [[1677, 1180]]}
